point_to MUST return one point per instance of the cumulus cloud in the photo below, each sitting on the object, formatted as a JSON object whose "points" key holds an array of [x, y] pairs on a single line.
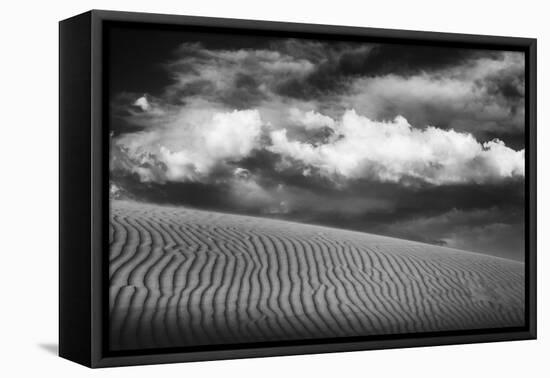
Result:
{"points": [[192, 143], [310, 119], [195, 129], [226, 100], [201, 139], [394, 151]]}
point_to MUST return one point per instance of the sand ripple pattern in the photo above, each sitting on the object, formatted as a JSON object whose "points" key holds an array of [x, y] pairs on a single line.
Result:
{"points": [[183, 277]]}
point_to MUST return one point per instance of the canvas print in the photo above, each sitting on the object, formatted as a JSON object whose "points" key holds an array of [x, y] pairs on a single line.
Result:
{"points": [[266, 189]]}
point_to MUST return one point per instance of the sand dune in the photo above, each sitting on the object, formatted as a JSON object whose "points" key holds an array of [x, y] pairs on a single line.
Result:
{"points": [[182, 277]]}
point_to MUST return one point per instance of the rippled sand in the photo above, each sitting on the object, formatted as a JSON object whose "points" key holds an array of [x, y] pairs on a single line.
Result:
{"points": [[184, 277]]}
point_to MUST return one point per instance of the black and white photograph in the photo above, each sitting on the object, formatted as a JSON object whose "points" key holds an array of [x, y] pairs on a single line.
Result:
{"points": [[268, 188]]}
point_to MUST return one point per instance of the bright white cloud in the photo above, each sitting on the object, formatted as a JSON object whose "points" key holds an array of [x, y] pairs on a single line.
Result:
{"points": [[193, 142], [394, 151], [188, 144], [142, 103], [310, 119], [192, 128]]}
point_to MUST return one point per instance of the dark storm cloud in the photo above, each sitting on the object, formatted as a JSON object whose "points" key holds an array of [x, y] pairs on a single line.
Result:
{"points": [[479, 218], [391, 139], [200, 195], [403, 205], [496, 231]]}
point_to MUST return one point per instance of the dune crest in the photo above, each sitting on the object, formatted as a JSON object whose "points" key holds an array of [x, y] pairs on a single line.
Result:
{"points": [[184, 277]]}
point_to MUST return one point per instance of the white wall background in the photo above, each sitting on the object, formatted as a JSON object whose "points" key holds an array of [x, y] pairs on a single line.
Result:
{"points": [[29, 174]]}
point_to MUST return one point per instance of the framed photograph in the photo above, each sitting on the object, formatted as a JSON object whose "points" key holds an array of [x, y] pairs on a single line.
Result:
{"points": [[233, 188]]}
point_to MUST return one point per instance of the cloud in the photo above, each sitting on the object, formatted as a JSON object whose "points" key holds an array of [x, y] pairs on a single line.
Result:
{"points": [[475, 91], [142, 103], [239, 78], [225, 103], [491, 230], [483, 97], [394, 151], [405, 60], [202, 140], [310, 119], [191, 144]]}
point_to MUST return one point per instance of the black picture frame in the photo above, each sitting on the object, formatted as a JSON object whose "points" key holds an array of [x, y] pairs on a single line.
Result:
{"points": [[83, 195]]}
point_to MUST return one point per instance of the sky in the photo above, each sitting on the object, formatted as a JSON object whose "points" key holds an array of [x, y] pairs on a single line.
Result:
{"points": [[419, 142]]}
